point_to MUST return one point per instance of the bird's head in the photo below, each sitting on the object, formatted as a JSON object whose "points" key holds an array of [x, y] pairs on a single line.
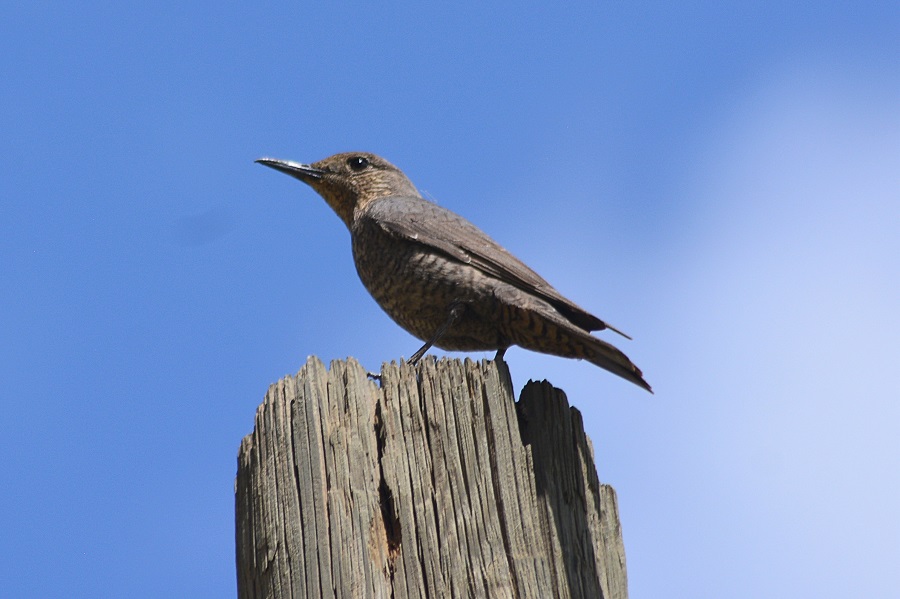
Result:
{"points": [[348, 181]]}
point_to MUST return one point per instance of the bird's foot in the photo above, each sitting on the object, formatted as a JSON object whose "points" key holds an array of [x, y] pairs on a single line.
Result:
{"points": [[456, 310]]}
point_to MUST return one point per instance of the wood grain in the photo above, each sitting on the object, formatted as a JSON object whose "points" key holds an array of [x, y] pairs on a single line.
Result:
{"points": [[434, 484]]}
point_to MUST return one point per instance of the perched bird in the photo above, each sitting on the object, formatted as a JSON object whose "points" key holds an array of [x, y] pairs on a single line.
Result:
{"points": [[442, 278]]}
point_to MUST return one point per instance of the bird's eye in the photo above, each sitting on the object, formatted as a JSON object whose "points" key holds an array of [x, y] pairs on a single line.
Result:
{"points": [[358, 163]]}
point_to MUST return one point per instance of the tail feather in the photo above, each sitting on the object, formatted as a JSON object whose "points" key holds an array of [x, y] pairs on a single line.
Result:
{"points": [[610, 358], [532, 323]]}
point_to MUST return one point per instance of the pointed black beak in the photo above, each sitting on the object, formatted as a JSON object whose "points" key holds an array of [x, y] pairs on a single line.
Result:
{"points": [[304, 172]]}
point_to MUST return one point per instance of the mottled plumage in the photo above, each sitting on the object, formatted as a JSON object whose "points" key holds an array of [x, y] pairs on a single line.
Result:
{"points": [[442, 278]]}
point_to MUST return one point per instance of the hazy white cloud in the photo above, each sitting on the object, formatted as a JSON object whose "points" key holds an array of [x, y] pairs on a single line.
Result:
{"points": [[779, 360]]}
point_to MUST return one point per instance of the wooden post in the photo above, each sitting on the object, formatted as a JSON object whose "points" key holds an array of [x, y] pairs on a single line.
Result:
{"points": [[435, 484]]}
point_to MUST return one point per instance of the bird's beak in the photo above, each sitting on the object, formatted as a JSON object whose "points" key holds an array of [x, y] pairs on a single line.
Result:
{"points": [[304, 172]]}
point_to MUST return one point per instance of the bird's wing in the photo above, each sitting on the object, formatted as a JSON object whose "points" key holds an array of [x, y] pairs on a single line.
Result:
{"points": [[424, 222]]}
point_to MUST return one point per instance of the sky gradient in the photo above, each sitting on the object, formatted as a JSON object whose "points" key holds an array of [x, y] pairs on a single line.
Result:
{"points": [[719, 180]]}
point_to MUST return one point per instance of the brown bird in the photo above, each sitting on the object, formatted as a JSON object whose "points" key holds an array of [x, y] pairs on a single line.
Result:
{"points": [[442, 278]]}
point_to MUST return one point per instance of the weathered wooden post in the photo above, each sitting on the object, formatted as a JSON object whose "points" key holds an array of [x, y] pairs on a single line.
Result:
{"points": [[436, 484]]}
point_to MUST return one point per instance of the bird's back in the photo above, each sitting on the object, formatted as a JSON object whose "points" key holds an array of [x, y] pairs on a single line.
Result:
{"points": [[441, 230]]}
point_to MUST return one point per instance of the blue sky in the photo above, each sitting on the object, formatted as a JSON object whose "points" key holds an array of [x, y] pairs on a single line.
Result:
{"points": [[720, 180]]}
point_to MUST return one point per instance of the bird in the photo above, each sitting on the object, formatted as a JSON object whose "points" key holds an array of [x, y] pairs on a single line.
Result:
{"points": [[443, 279]]}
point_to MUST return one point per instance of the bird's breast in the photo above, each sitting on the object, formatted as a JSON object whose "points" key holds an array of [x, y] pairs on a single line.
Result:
{"points": [[416, 285]]}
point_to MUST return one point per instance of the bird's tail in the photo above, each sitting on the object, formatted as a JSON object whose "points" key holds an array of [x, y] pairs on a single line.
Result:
{"points": [[561, 338], [608, 357], [535, 325]]}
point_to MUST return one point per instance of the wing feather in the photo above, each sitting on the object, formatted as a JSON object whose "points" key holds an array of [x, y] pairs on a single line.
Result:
{"points": [[421, 221]]}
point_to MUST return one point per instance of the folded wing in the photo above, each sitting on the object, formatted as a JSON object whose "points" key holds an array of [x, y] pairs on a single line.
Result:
{"points": [[424, 222]]}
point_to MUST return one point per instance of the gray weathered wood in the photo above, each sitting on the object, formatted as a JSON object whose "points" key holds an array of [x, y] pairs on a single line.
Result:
{"points": [[436, 484]]}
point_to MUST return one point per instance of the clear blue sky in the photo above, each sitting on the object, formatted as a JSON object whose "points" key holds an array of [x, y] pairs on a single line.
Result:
{"points": [[720, 180]]}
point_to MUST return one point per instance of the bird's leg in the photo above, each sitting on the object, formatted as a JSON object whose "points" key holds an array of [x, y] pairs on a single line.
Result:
{"points": [[500, 353], [456, 310]]}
